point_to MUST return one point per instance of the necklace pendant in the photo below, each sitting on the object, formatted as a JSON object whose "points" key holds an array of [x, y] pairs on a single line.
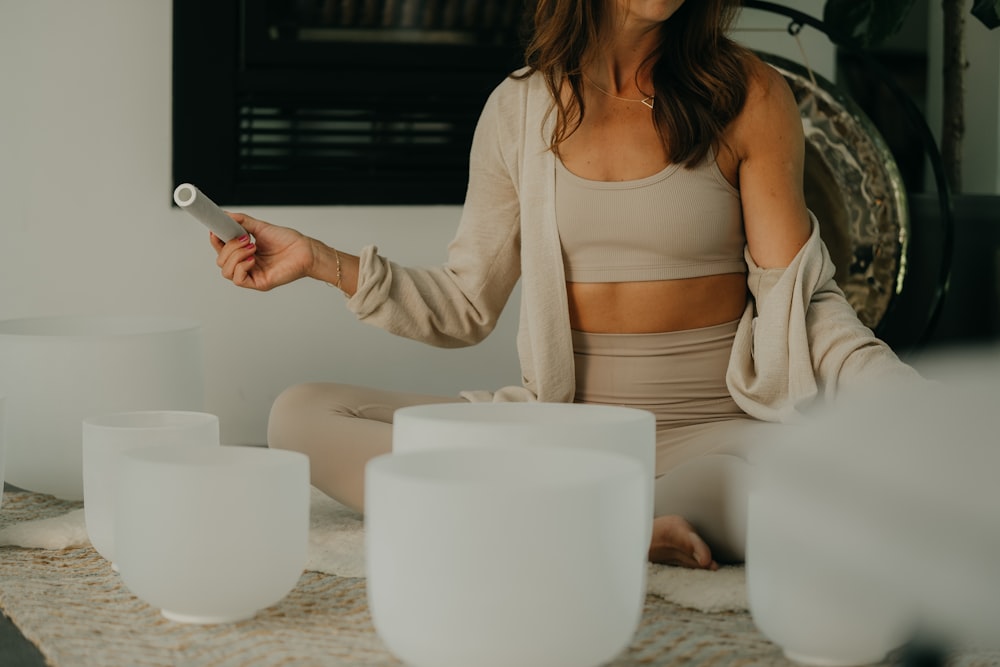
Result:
{"points": [[648, 101]]}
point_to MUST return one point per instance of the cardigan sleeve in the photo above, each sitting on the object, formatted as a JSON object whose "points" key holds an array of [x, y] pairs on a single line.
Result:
{"points": [[459, 303], [800, 340]]}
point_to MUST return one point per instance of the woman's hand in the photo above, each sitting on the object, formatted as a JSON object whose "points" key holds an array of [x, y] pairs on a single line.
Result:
{"points": [[279, 256]]}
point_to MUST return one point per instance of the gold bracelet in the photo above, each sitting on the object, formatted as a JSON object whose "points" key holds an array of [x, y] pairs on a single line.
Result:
{"points": [[339, 276]]}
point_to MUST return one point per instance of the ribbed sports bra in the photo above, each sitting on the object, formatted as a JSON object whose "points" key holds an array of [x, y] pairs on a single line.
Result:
{"points": [[678, 223]]}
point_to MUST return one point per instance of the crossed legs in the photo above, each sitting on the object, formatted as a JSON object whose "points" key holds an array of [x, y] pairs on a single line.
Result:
{"points": [[701, 487], [340, 428]]}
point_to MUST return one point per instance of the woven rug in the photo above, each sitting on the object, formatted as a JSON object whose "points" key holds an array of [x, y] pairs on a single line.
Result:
{"points": [[72, 605], [336, 546]]}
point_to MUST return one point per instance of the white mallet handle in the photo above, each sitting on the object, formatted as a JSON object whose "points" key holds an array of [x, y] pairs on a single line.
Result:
{"points": [[203, 209]]}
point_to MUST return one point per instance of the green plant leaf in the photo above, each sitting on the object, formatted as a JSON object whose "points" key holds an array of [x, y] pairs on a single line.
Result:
{"points": [[887, 19], [848, 19], [988, 12], [866, 23]]}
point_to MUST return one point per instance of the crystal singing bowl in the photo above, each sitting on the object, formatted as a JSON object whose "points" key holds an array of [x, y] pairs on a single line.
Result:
{"points": [[812, 583], [920, 461], [56, 371], [211, 534], [625, 431], [499, 556], [876, 518], [106, 436]]}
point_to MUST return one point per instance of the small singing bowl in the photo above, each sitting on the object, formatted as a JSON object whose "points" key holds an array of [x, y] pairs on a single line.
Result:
{"points": [[625, 431], [211, 534], [815, 582], [499, 556], [108, 435]]}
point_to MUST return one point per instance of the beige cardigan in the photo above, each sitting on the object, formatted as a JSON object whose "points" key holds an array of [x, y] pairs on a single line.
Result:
{"points": [[798, 339]]}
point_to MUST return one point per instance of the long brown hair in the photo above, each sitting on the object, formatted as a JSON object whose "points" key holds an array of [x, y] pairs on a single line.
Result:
{"points": [[699, 73]]}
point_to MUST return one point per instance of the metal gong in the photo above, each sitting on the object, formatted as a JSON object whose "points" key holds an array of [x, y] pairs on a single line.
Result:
{"points": [[854, 187]]}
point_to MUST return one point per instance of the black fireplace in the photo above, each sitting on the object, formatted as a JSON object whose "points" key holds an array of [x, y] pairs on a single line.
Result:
{"points": [[287, 102]]}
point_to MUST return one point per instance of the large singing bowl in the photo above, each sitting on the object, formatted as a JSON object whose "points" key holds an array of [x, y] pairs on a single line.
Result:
{"points": [[615, 429], [875, 519], [913, 464], [500, 556], [56, 371]]}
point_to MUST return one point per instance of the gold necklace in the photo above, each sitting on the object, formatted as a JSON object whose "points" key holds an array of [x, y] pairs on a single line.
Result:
{"points": [[648, 100]]}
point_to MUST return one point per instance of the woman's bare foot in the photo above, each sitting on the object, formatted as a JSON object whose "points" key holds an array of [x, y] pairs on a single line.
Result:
{"points": [[675, 543]]}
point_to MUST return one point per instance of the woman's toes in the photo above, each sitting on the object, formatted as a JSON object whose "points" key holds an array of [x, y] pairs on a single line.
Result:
{"points": [[675, 543], [700, 552]]}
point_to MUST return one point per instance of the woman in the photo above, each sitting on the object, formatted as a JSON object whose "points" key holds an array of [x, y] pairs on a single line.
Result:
{"points": [[638, 176]]}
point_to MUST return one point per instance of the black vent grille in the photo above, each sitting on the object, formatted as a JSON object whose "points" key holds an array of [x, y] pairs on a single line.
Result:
{"points": [[337, 139], [335, 102], [413, 150], [485, 17]]}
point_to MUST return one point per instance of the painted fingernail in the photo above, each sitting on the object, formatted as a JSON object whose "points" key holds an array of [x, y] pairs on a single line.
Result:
{"points": [[245, 237]]}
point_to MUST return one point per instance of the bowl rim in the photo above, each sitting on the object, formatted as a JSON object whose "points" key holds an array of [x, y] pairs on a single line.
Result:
{"points": [[533, 465]]}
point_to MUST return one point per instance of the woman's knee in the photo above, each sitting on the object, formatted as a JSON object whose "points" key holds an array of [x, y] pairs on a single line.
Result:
{"points": [[291, 412]]}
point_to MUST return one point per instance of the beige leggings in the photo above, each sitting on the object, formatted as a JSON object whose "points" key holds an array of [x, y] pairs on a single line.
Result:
{"points": [[703, 438]]}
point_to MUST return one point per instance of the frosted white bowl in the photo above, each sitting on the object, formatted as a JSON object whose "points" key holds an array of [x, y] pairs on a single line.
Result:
{"points": [[813, 583], [499, 556], [918, 462], [211, 534], [626, 431], [56, 371], [105, 437]]}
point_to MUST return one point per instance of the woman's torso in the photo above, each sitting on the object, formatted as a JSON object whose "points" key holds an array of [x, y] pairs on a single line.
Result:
{"points": [[617, 143]]}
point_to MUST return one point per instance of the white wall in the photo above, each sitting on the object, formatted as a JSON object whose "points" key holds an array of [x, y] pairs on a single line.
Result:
{"points": [[768, 31], [87, 227]]}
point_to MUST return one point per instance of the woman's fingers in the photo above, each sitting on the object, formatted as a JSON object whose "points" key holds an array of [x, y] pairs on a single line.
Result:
{"points": [[232, 255], [241, 272], [216, 242], [252, 225], [281, 255], [242, 245]]}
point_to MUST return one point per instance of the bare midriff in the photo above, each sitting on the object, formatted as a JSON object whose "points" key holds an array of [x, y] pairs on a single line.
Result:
{"points": [[656, 306]]}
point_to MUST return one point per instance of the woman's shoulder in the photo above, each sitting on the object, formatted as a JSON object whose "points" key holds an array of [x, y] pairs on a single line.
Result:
{"points": [[518, 84], [769, 102], [765, 84], [509, 100]]}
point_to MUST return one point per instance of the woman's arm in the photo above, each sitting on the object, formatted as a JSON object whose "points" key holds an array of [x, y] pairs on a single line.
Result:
{"points": [[460, 302], [768, 139], [800, 340], [452, 305]]}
